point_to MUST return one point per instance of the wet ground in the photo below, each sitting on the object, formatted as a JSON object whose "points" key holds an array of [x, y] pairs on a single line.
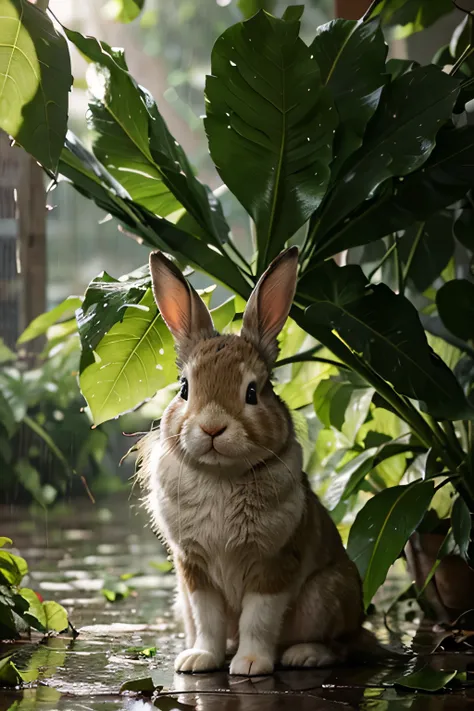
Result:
{"points": [[75, 553]]}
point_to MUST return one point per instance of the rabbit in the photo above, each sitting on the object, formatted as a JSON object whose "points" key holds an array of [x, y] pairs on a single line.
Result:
{"points": [[261, 568]]}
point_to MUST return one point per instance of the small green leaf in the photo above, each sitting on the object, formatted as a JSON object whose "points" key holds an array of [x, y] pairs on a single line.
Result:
{"points": [[123, 10], [382, 528], [455, 302], [12, 568], [343, 405], [35, 615], [164, 566], [142, 651], [9, 674], [56, 617], [223, 315], [426, 679], [40, 324], [412, 15], [145, 686], [5, 541], [115, 591], [461, 525]]}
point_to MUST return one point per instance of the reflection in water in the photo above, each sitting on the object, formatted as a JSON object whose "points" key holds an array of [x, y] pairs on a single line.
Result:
{"points": [[73, 553]]}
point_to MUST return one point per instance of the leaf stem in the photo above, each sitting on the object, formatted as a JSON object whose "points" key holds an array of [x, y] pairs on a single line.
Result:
{"points": [[398, 266], [413, 249], [382, 262], [367, 16], [450, 433]]}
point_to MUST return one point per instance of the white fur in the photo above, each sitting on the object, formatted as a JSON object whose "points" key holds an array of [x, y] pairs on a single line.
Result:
{"points": [[259, 629], [208, 651], [194, 507]]}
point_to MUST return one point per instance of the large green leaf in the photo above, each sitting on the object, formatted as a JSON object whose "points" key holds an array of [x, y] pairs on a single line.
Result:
{"points": [[384, 328], [124, 160], [455, 302], [91, 179], [35, 615], [35, 78], [41, 323], [444, 179], [270, 125], [131, 362], [382, 528], [132, 136], [399, 140], [105, 302], [351, 58]]}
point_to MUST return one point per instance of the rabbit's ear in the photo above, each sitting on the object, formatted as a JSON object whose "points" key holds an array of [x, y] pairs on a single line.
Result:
{"points": [[183, 310], [270, 303]]}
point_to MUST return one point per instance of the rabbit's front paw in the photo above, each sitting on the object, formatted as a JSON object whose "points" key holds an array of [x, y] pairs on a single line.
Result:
{"points": [[196, 660], [251, 665]]}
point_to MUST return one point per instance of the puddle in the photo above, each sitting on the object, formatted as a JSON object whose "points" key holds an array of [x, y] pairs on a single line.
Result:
{"points": [[73, 555]]}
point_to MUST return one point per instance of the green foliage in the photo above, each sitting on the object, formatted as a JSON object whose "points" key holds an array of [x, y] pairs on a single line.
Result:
{"points": [[21, 608], [124, 10], [36, 78], [410, 16], [125, 361], [46, 444], [426, 679], [351, 58], [270, 124], [328, 145], [62, 312], [382, 529]]}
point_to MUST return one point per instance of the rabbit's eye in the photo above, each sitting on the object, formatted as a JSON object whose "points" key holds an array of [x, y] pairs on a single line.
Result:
{"points": [[251, 395], [184, 389]]}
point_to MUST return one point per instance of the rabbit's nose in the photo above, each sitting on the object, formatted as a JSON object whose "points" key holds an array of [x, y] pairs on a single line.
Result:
{"points": [[213, 431]]}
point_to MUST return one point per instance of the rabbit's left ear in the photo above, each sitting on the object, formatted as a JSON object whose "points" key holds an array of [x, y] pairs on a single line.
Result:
{"points": [[270, 303], [181, 307]]}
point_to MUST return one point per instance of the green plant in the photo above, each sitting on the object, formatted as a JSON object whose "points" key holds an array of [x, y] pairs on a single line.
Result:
{"points": [[47, 447], [22, 609], [334, 148]]}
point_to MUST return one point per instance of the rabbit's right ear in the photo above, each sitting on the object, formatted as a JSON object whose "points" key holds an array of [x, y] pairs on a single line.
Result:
{"points": [[181, 307], [270, 303]]}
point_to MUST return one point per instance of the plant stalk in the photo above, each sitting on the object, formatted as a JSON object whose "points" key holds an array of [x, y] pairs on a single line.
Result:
{"points": [[382, 262], [413, 249]]}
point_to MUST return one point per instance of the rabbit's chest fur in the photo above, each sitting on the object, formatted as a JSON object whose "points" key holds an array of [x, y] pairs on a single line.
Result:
{"points": [[226, 523]]}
